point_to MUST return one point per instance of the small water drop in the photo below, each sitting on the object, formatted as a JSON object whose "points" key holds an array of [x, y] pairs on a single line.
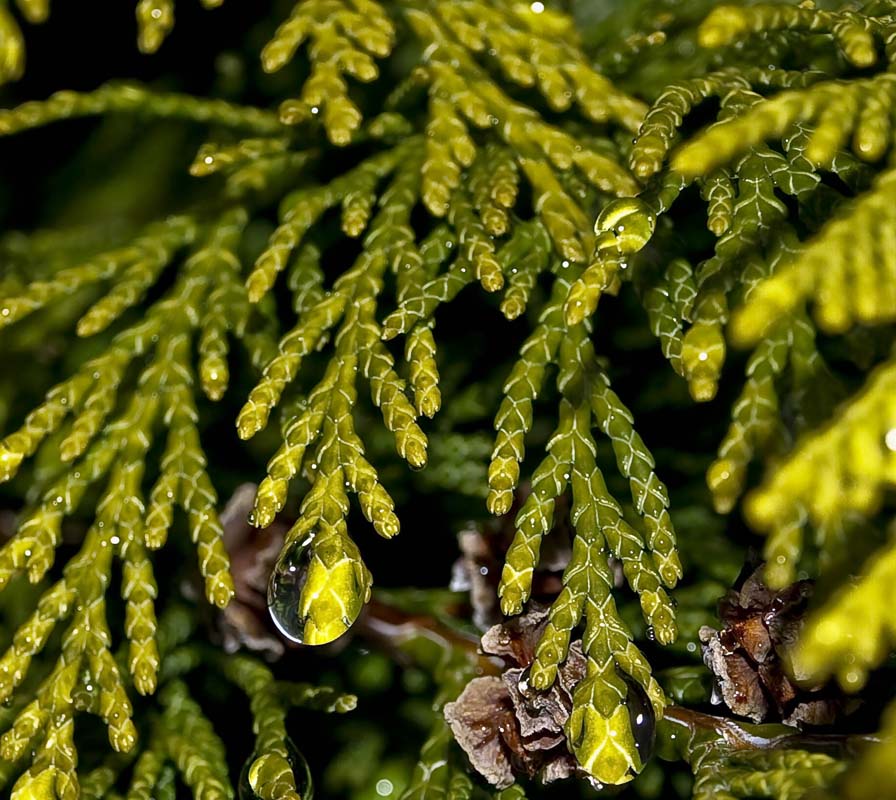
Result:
{"points": [[651, 633], [642, 719], [524, 685], [263, 770]]}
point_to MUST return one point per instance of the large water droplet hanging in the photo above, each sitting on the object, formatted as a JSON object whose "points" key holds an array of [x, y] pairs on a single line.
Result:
{"points": [[316, 590], [270, 776], [288, 579]]}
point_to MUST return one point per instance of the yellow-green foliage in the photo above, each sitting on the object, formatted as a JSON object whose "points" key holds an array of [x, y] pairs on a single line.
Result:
{"points": [[552, 187], [721, 773]]}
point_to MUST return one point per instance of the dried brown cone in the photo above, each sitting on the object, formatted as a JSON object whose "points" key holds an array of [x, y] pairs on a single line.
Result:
{"points": [[506, 729], [483, 547], [749, 659], [246, 622]]}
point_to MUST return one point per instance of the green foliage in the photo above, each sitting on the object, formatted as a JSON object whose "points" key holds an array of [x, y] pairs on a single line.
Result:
{"points": [[495, 145]]}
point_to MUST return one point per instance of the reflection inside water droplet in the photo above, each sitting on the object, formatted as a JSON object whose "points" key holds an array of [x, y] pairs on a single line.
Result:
{"points": [[285, 587], [264, 771], [327, 611]]}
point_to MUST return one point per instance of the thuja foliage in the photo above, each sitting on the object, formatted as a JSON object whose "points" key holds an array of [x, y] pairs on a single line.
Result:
{"points": [[661, 224]]}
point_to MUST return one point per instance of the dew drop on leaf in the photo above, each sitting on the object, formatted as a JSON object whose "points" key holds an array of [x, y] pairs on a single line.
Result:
{"points": [[268, 772], [288, 579], [298, 572], [642, 719]]}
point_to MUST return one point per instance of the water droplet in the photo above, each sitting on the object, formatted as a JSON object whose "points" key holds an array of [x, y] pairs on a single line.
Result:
{"points": [[642, 719], [523, 684], [852, 677], [259, 771], [651, 633], [285, 587]]}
